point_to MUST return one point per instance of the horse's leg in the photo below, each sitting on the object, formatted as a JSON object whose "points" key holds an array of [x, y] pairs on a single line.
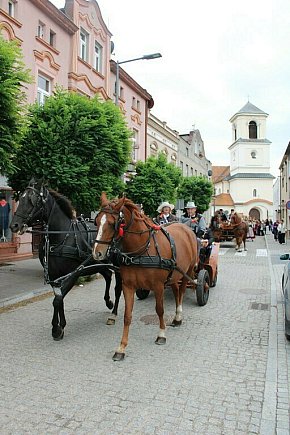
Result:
{"points": [[178, 308], [129, 293], [58, 320], [107, 274], [244, 240], [118, 291], [179, 300], [159, 296]]}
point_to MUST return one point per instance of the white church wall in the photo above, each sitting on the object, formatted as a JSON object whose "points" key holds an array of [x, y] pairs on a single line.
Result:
{"points": [[243, 190]]}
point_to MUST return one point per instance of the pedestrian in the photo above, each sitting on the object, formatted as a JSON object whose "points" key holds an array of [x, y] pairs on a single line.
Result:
{"points": [[281, 232], [165, 215], [275, 230]]}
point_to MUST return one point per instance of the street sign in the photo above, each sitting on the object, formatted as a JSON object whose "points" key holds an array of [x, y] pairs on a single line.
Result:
{"points": [[288, 205]]}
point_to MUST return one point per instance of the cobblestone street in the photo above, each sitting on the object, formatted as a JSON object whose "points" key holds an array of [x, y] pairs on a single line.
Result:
{"points": [[224, 371]]}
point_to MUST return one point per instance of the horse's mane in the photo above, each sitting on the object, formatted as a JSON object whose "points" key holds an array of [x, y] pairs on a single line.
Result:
{"points": [[135, 209], [64, 203]]}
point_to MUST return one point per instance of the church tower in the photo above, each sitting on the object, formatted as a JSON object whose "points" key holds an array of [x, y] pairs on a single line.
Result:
{"points": [[250, 180]]}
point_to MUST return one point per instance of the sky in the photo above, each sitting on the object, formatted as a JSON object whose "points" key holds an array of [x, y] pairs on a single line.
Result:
{"points": [[216, 55]]}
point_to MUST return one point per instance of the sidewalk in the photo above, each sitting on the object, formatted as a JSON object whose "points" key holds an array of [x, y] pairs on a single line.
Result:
{"points": [[21, 280]]}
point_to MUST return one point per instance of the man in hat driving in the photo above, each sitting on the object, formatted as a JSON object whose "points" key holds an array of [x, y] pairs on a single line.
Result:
{"points": [[197, 223], [165, 216]]}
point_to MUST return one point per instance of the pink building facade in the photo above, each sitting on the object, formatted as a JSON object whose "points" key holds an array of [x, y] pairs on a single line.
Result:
{"points": [[71, 47]]}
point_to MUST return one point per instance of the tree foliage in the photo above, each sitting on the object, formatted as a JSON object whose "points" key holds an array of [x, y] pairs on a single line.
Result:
{"points": [[155, 181], [12, 98], [198, 189], [80, 146]]}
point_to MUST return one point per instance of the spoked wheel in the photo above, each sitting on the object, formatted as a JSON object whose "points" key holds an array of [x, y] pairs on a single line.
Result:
{"points": [[202, 288], [214, 281], [142, 293]]}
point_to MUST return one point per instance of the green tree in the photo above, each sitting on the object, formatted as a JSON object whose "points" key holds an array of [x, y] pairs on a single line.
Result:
{"points": [[80, 146], [12, 98], [155, 181], [198, 189]]}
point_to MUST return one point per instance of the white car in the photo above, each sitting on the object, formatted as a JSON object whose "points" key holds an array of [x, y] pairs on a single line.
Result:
{"points": [[286, 292]]}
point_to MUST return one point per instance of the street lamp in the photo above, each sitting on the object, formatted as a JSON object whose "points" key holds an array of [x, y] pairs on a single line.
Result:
{"points": [[145, 57]]}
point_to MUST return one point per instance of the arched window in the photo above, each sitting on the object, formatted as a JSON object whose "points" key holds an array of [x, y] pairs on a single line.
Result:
{"points": [[252, 130], [254, 193]]}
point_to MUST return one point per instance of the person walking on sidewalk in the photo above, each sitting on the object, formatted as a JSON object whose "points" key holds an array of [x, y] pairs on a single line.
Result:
{"points": [[281, 232], [275, 230]]}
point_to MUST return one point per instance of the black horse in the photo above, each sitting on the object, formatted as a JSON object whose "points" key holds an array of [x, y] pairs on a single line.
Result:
{"points": [[65, 250]]}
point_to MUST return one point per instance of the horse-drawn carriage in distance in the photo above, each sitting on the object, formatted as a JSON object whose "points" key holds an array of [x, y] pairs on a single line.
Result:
{"points": [[236, 228]]}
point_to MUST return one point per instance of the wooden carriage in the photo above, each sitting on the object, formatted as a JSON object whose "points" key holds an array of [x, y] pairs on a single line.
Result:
{"points": [[205, 277]]}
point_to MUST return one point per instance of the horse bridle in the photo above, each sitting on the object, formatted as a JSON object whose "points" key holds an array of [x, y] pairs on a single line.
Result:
{"points": [[40, 201]]}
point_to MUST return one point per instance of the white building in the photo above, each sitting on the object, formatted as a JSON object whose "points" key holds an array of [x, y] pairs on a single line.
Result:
{"points": [[248, 185]]}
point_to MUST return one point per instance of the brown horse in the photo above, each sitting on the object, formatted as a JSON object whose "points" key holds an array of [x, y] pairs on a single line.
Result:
{"points": [[149, 257], [240, 230]]}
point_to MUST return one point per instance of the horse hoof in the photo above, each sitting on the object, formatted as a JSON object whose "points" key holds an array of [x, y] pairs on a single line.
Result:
{"points": [[110, 305], [118, 356], [176, 323], [58, 335], [160, 340], [110, 321]]}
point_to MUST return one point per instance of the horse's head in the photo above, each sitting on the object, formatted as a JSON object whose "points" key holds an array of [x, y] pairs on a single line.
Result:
{"points": [[235, 219], [30, 206], [109, 222]]}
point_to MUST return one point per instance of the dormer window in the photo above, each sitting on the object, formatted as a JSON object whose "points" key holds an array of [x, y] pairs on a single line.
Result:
{"points": [[252, 130]]}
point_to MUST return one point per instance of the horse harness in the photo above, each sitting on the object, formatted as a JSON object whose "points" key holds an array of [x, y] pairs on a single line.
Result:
{"points": [[62, 249], [137, 258]]}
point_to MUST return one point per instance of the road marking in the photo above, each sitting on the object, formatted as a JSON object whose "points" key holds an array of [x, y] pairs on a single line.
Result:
{"points": [[222, 251], [241, 254], [261, 253]]}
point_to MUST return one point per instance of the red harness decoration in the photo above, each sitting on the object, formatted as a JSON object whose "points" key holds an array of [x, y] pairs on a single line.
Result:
{"points": [[3, 202], [121, 230], [156, 227]]}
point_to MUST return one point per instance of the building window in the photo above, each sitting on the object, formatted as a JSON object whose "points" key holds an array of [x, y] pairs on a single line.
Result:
{"points": [[181, 166], [133, 102], [187, 151], [121, 93], [41, 30], [43, 89], [153, 149], [98, 57], [11, 8], [173, 159], [195, 173], [135, 145], [191, 172], [84, 45], [255, 193], [52, 38], [235, 133], [252, 130], [138, 105], [186, 171]]}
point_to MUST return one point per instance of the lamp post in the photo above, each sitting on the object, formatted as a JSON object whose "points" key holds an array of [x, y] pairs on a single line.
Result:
{"points": [[145, 57]]}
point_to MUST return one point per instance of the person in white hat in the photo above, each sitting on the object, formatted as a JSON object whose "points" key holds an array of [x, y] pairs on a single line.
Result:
{"points": [[198, 225], [165, 216]]}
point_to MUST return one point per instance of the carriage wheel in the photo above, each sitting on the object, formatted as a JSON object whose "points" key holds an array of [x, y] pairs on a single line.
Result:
{"points": [[142, 293], [202, 288], [214, 281]]}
